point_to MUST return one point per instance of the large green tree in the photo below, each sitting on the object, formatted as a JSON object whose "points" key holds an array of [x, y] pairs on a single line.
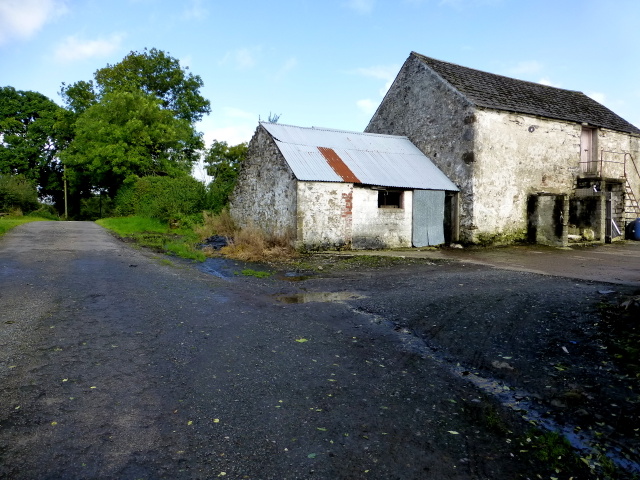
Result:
{"points": [[135, 118], [29, 138], [124, 136]]}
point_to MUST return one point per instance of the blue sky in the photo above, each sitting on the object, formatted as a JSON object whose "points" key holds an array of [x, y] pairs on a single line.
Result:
{"points": [[324, 63]]}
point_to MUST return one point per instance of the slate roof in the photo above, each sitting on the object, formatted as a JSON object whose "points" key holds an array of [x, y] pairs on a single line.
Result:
{"points": [[325, 155], [503, 93]]}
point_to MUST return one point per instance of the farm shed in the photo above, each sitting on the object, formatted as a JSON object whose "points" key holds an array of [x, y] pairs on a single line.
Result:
{"points": [[326, 188]]}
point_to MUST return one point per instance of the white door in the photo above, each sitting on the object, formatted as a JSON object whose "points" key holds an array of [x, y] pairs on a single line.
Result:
{"points": [[588, 163]]}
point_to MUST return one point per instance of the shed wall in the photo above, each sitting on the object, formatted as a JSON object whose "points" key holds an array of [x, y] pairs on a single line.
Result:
{"points": [[375, 227], [265, 194], [343, 215]]}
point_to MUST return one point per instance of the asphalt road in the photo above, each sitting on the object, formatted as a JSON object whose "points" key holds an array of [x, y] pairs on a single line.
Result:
{"points": [[119, 363]]}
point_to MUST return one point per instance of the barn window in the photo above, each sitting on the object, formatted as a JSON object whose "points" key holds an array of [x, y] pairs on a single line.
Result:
{"points": [[389, 198]]}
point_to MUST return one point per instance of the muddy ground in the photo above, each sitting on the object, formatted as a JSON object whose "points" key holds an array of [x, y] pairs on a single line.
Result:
{"points": [[120, 363]]}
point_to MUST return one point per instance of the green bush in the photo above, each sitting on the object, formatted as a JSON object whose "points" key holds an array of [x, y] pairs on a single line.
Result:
{"points": [[165, 198], [47, 212], [16, 192]]}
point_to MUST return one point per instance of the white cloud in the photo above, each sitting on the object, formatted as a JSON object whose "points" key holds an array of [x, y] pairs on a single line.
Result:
{"points": [[233, 134], [382, 72], [367, 106], [74, 48], [21, 19], [232, 125], [548, 83], [242, 58], [528, 67], [361, 6], [598, 96], [195, 11]]}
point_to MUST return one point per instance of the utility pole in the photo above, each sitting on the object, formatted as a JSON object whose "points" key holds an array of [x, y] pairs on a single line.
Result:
{"points": [[64, 177]]}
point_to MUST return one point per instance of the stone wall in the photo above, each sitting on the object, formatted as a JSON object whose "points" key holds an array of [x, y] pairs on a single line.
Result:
{"points": [[517, 156], [324, 215], [343, 215], [265, 194], [375, 227]]}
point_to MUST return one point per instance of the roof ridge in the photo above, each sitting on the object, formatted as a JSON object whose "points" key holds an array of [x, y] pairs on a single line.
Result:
{"points": [[538, 84], [327, 129]]}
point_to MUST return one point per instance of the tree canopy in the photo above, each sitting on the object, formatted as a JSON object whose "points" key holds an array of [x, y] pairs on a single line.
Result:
{"points": [[152, 72], [29, 138], [127, 135], [136, 118]]}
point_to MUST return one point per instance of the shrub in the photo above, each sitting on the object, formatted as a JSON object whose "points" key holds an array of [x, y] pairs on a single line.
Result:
{"points": [[165, 198], [17, 193]]}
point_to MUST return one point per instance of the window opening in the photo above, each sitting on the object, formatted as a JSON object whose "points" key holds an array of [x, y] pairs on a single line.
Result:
{"points": [[390, 198]]}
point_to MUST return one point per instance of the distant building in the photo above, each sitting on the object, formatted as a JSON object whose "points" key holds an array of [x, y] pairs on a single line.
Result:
{"points": [[334, 189]]}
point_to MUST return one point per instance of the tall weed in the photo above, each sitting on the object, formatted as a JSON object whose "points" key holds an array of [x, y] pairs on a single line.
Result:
{"points": [[254, 245], [216, 224]]}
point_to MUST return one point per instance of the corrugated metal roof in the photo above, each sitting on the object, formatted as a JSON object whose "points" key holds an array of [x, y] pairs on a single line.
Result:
{"points": [[371, 159]]}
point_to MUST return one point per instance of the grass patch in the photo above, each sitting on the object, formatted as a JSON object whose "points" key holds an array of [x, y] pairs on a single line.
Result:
{"points": [[9, 222], [248, 272], [157, 235]]}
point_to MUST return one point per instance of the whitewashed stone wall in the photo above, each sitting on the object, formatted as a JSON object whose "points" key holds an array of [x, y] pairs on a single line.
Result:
{"points": [[324, 215], [375, 227], [265, 194], [341, 215], [516, 156]]}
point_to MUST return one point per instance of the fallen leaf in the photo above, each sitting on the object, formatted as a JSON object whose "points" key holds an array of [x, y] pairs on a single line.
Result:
{"points": [[321, 429], [301, 340], [216, 420], [453, 432], [190, 422], [311, 455]]}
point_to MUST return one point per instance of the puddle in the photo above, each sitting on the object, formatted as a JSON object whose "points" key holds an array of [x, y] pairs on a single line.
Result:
{"points": [[515, 400], [309, 297], [218, 267], [295, 277]]}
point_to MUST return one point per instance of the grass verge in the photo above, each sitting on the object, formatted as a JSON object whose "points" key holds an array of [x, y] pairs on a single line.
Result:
{"points": [[7, 223], [157, 235]]}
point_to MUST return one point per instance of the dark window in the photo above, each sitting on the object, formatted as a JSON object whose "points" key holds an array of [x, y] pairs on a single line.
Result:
{"points": [[389, 198]]}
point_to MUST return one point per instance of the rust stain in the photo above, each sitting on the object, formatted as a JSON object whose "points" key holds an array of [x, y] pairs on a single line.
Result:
{"points": [[338, 165]]}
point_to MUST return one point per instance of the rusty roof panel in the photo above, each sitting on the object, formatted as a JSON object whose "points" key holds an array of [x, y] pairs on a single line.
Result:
{"points": [[338, 165], [366, 158]]}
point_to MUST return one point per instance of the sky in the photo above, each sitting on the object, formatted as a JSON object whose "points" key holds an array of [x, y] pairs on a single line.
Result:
{"points": [[324, 63]]}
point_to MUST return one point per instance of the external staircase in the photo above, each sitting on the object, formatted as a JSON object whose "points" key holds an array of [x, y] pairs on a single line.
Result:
{"points": [[631, 207]]}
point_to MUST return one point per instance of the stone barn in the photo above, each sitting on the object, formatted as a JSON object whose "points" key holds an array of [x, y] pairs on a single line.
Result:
{"points": [[335, 189], [531, 161]]}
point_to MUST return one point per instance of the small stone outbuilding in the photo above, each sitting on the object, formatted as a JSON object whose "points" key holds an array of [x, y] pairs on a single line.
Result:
{"points": [[327, 188], [531, 161]]}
